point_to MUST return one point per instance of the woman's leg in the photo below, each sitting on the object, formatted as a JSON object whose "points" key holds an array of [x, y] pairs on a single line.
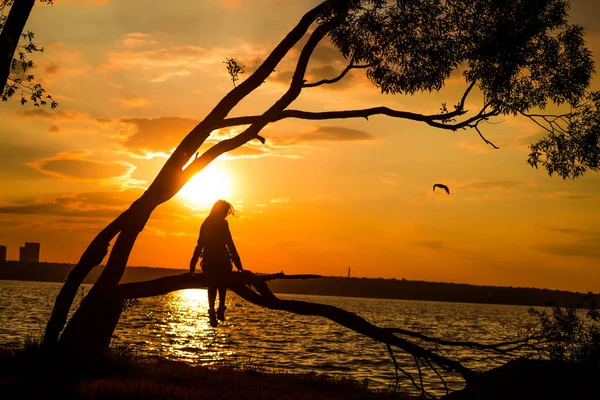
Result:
{"points": [[222, 298], [212, 296]]}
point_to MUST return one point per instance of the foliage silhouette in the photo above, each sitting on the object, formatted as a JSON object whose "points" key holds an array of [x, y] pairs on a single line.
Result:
{"points": [[570, 333], [15, 74], [234, 69], [522, 55]]}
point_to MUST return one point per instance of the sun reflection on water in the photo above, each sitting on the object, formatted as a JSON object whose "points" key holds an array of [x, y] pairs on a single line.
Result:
{"points": [[196, 297], [184, 329]]}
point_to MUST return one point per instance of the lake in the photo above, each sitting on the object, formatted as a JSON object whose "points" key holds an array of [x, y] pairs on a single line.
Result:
{"points": [[175, 326]]}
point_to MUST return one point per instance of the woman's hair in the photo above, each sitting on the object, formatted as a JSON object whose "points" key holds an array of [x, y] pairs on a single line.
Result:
{"points": [[222, 207]]}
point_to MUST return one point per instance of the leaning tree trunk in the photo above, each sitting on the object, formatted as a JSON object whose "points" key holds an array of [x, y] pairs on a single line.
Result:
{"points": [[168, 182], [91, 258], [89, 332], [11, 33], [93, 324]]}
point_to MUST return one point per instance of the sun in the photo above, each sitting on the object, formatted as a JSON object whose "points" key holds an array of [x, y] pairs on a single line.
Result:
{"points": [[206, 187]]}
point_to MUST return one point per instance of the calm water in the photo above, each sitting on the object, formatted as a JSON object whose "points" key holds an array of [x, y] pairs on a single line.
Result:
{"points": [[175, 326]]}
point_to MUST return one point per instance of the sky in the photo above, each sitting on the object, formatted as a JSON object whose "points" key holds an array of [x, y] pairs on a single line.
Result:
{"points": [[133, 78]]}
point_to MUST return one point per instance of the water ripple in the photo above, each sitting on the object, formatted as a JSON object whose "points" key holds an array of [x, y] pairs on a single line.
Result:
{"points": [[176, 326]]}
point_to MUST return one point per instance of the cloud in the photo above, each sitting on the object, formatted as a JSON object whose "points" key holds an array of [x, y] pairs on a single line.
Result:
{"points": [[54, 115], [138, 39], [326, 133], [391, 178], [132, 102], [168, 75], [15, 156], [578, 243], [87, 204], [176, 56], [144, 136], [53, 129], [430, 244], [95, 205], [565, 230], [75, 166], [570, 196], [157, 65], [53, 209], [477, 190], [250, 151], [70, 122], [148, 135], [151, 137], [582, 248], [584, 233], [60, 60], [281, 200], [492, 185]]}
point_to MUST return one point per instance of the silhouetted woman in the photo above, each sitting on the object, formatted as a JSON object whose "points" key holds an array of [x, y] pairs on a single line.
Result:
{"points": [[215, 246]]}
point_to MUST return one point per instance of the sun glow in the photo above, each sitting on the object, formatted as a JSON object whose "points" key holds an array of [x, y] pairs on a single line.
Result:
{"points": [[206, 187]]}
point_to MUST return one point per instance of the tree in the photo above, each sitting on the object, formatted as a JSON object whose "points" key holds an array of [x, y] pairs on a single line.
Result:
{"points": [[15, 77], [522, 55]]}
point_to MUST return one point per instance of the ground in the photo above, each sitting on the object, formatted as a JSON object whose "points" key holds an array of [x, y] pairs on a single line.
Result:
{"points": [[30, 374]]}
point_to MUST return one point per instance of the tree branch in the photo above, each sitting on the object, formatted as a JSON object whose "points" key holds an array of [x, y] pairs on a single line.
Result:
{"points": [[260, 122], [239, 282], [484, 139], [338, 78], [341, 114], [461, 104], [364, 113]]}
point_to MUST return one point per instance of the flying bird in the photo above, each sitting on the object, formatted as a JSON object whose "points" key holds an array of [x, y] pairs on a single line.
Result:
{"points": [[442, 187]]}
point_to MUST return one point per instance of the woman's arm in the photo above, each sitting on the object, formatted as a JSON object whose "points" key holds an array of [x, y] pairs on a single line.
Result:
{"points": [[235, 257], [197, 254]]}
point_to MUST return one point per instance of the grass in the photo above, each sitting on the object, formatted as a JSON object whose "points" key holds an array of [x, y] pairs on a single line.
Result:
{"points": [[27, 372]]}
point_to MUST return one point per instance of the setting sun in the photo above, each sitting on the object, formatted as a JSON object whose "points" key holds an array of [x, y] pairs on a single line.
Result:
{"points": [[206, 187]]}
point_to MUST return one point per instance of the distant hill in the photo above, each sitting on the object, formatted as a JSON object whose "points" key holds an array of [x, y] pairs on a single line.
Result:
{"points": [[328, 286], [58, 272], [430, 291]]}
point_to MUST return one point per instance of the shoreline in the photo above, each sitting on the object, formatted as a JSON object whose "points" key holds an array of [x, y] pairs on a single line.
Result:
{"points": [[26, 372], [376, 288]]}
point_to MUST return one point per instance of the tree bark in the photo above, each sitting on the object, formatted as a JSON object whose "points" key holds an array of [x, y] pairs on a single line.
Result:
{"points": [[92, 257], [89, 332], [93, 323], [10, 35]]}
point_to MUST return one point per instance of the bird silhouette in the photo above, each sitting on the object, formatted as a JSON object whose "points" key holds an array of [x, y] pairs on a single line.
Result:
{"points": [[442, 187]]}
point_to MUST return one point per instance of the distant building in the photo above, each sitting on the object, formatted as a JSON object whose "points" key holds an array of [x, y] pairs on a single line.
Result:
{"points": [[2, 254], [30, 253]]}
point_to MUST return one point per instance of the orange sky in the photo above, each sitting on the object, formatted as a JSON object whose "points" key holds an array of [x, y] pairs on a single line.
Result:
{"points": [[319, 197]]}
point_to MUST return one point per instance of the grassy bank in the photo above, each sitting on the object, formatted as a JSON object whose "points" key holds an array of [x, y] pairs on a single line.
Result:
{"points": [[26, 372]]}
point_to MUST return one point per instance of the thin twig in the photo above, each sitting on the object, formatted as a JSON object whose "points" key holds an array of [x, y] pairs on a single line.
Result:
{"points": [[417, 362], [439, 376], [389, 348], [484, 139]]}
